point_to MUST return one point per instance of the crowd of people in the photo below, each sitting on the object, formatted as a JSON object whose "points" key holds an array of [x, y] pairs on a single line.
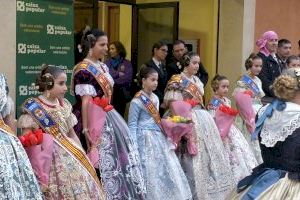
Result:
{"points": [[172, 146]]}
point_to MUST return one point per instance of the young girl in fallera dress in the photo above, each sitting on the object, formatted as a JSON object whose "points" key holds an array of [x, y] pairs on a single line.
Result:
{"points": [[162, 172], [101, 127], [252, 85], [241, 157], [59, 162], [208, 171]]}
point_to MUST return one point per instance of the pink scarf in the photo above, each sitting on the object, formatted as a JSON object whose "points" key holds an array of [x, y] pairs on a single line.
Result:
{"points": [[262, 42]]}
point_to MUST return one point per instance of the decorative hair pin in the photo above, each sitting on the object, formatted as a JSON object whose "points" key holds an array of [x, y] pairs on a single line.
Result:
{"points": [[297, 74], [48, 76]]}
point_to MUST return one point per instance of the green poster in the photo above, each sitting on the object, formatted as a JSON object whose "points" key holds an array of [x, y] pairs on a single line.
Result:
{"points": [[44, 36]]}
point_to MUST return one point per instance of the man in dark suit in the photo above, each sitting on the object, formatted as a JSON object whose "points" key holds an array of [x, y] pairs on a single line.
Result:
{"points": [[283, 51], [174, 67], [157, 62], [271, 68]]}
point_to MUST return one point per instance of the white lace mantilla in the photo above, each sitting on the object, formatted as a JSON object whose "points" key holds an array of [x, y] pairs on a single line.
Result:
{"points": [[280, 125]]}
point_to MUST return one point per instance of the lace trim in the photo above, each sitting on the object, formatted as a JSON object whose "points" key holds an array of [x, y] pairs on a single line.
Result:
{"points": [[85, 89], [8, 107], [3, 95], [279, 127], [26, 121]]}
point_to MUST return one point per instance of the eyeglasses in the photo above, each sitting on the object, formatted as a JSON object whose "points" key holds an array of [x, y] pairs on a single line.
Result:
{"points": [[164, 50]]}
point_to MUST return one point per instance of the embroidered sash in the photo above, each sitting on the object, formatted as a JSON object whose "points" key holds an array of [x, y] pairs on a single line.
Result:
{"points": [[99, 76], [188, 86], [45, 121], [150, 107], [5, 127], [250, 84]]}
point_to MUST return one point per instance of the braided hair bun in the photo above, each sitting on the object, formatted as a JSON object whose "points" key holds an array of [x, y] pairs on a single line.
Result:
{"points": [[286, 86], [45, 80]]}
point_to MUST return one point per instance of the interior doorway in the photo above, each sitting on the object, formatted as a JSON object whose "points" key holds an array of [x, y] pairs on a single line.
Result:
{"points": [[137, 26]]}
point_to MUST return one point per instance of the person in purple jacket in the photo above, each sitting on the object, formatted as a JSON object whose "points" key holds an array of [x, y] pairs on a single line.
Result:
{"points": [[121, 70]]}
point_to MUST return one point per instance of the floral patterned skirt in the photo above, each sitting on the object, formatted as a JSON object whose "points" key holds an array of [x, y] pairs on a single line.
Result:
{"points": [[120, 166]]}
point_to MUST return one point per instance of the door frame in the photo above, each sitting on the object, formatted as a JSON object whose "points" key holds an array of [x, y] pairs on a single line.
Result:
{"points": [[134, 34], [134, 27]]}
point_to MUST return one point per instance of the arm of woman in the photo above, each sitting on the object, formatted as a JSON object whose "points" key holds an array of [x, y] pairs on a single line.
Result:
{"points": [[84, 108]]}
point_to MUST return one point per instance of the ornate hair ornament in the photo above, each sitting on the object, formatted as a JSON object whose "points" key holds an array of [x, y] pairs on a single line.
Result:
{"points": [[297, 74], [48, 76], [186, 60]]}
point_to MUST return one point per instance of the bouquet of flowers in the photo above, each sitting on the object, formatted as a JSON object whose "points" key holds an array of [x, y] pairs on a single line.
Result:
{"points": [[32, 138], [97, 109], [180, 125], [179, 119], [244, 104], [39, 147], [192, 102], [224, 118]]}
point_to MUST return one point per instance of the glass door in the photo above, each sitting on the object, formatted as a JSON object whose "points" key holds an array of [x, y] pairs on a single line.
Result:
{"points": [[152, 22]]}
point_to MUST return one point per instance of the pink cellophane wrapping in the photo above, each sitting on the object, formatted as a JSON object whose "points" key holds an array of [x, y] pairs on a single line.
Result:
{"points": [[97, 117], [244, 105], [175, 131], [223, 121], [40, 157]]}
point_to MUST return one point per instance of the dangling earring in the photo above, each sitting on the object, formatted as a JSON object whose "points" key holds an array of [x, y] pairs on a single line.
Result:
{"points": [[47, 94], [90, 53]]}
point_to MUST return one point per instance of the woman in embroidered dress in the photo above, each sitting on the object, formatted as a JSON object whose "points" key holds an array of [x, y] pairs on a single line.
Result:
{"points": [[59, 162], [16, 175], [278, 130], [163, 174], [209, 171], [105, 131], [249, 82], [241, 157]]}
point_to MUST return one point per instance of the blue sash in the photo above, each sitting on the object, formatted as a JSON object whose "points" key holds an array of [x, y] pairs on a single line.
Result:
{"points": [[251, 85], [39, 114]]}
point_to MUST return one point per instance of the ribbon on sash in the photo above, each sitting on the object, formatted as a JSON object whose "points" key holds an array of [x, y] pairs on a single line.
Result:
{"points": [[45, 121], [251, 84], [99, 76], [150, 107]]}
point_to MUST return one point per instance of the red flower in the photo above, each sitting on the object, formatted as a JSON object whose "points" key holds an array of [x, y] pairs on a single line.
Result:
{"points": [[228, 110], [249, 92], [192, 102], [108, 108], [103, 103], [32, 138]]}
